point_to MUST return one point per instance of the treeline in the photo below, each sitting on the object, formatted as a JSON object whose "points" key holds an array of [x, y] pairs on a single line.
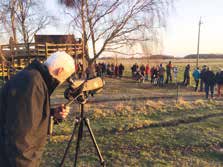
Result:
{"points": [[146, 57], [204, 56], [191, 56]]}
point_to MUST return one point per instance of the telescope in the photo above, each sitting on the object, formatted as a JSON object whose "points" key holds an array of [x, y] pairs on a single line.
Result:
{"points": [[79, 90]]}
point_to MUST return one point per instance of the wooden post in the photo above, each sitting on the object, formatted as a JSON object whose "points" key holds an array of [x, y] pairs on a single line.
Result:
{"points": [[2, 59], [12, 52], [51, 127], [67, 49], [3, 71], [28, 52], [46, 50], [8, 71]]}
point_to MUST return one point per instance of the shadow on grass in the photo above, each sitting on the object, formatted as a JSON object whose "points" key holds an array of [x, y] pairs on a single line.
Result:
{"points": [[171, 123], [211, 155]]}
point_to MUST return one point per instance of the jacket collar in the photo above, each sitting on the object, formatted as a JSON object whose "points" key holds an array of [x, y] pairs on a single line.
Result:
{"points": [[51, 82]]}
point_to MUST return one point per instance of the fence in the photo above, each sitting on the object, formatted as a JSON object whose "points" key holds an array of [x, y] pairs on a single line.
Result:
{"points": [[16, 56]]}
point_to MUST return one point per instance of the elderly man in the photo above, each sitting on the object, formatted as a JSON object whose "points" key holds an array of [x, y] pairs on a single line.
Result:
{"points": [[25, 110]]}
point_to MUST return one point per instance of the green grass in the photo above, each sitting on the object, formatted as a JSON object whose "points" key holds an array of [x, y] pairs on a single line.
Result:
{"points": [[126, 136], [180, 145]]}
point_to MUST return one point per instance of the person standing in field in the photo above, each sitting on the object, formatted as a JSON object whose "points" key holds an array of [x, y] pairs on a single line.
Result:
{"points": [[175, 73], [196, 75], [209, 81], [116, 70], [186, 81], [219, 81], [121, 68], [169, 72], [161, 73], [147, 72], [80, 70], [152, 74], [103, 69], [112, 69], [133, 68], [155, 75], [204, 68], [142, 70]]}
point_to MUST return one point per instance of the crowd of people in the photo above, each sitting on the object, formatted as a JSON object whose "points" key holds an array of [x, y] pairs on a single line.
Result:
{"points": [[157, 73], [208, 80], [100, 70], [205, 78]]}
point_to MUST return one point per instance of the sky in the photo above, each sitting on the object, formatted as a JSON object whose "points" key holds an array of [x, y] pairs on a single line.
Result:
{"points": [[180, 36]]}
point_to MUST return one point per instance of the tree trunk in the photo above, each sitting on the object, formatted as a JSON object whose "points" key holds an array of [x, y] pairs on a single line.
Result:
{"points": [[12, 16], [83, 33]]}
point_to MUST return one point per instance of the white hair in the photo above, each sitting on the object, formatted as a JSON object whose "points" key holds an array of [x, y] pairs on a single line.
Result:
{"points": [[61, 59]]}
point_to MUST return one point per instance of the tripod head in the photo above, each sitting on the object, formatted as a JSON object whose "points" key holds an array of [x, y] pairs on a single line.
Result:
{"points": [[81, 89]]}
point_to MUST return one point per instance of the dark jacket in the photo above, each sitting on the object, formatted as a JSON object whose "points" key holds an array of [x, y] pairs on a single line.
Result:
{"points": [[187, 72], [24, 116], [202, 73], [121, 68], [219, 78], [209, 78]]}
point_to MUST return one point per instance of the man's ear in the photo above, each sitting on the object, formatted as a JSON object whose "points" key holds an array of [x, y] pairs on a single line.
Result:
{"points": [[59, 71]]}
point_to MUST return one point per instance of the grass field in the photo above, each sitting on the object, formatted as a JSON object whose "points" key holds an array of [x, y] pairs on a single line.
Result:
{"points": [[143, 125]]}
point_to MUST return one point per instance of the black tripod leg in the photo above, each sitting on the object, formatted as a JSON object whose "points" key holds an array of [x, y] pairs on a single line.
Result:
{"points": [[80, 132], [69, 143], [87, 122]]}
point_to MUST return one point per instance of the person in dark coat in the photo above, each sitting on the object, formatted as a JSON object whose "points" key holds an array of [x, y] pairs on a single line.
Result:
{"points": [[186, 81], [209, 81], [204, 68], [169, 72], [80, 70], [25, 110], [134, 69], [142, 70], [121, 68], [219, 81], [116, 70], [152, 74]]}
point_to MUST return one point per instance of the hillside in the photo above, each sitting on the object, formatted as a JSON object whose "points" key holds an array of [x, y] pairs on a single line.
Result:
{"points": [[141, 57], [204, 56]]}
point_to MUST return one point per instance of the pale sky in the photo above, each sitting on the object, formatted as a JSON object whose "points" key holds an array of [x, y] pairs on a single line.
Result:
{"points": [[181, 34], [179, 38]]}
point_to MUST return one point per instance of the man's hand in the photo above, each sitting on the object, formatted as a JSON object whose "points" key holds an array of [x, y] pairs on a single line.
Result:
{"points": [[60, 113]]}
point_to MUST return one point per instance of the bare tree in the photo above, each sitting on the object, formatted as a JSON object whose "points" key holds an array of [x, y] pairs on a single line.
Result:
{"points": [[8, 18], [110, 25], [23, 18], [31, 18]]}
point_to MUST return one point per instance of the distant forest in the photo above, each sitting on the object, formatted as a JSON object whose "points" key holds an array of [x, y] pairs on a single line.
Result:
{"points": [[204, 56], [191, 56]]}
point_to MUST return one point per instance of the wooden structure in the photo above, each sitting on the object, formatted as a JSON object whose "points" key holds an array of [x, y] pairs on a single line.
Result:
{"points": [[15, 57]]}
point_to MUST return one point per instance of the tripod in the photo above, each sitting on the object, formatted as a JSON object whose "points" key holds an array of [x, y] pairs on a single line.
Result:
{"points": [[81, 121]]}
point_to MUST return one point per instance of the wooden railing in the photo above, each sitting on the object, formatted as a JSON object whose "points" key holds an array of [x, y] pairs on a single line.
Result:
{"points": [[17, 56], [22, 50]]}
